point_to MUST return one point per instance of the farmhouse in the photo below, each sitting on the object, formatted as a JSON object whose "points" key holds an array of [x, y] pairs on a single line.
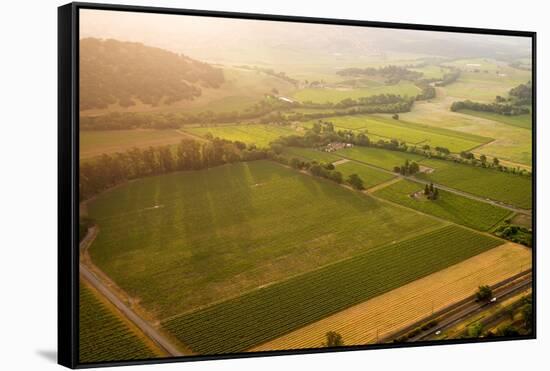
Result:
{"points": [[335, 146]]}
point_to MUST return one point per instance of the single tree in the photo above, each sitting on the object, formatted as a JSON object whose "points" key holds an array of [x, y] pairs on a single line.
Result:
{"points": [[355, 181], [334, 339], [484, 293], [427, 190], [495, 161], [483, 159]]}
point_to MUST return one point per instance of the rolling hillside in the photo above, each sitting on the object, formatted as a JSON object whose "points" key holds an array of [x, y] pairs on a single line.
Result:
{"points": [[128, 73]]}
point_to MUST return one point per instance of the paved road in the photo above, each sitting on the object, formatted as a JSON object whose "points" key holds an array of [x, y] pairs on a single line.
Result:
{"points": [[445, 188], [474, 308], [143, 325], [446, 313]]}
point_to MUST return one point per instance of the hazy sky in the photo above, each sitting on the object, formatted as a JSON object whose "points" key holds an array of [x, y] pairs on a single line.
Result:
{"points": [[234, 40]]}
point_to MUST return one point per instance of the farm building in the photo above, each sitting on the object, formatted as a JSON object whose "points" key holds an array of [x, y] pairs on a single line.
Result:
{"points": [[335, 146]]}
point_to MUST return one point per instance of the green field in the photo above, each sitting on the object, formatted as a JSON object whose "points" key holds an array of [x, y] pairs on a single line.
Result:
{"points": [[382, 158], [410, 132], [103, 336], [520, 121], [258, 316], [431, 71], [458, 209], [95, 143], [370, 176], [493, 184], [481, 85], [260, 135], [309, 154], [203, 236], [511, 143], [335, 95]]}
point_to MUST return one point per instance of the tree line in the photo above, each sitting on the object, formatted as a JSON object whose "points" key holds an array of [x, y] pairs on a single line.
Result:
{"points": [[323, 132], [519, 97], [449, 77], [109, 170], [501, 109], [393, 74], [266, 111], [322, 170]]}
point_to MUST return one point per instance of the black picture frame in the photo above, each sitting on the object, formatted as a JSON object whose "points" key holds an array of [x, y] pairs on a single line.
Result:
{"points": [[68, 169]]}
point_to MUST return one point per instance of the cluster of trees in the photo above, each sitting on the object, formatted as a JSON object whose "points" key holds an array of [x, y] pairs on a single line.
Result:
{"points": [[374, 100], [109, 170], [519, 97], [113, 71], [449, 77], [500, 108], [322, 170], [484, 293], [431, 192], [427, 90], [515, 233], [522, 94], [334, 339], [393, 74], [408, 168]]}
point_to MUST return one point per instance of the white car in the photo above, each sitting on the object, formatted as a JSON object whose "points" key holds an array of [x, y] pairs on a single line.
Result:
{"points": [[493, 300]]}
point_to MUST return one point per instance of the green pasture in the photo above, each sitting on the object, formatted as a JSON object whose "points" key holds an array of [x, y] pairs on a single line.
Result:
{"points": [[260, 135], [508, 188], [450, 206], [382, 158], [335, 95]]}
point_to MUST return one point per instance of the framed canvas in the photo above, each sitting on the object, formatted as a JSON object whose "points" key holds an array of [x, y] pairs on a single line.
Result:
{"points": [[237, 185]]}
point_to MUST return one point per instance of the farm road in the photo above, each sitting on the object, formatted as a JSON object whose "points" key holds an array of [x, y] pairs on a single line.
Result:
{"points": [[143, 325]]}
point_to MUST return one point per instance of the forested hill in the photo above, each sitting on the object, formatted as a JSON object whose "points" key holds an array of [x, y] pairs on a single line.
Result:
{"points": [[126, 73]]}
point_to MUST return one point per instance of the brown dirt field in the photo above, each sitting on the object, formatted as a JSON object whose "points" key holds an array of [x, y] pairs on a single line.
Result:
{"points": [[387, 313]]}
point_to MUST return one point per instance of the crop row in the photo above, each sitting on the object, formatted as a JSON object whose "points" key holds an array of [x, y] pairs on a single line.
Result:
{"points": [[261, 315], [103, 336]]}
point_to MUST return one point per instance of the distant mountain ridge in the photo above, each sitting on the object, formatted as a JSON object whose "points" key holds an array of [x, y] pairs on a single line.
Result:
{"points": [[127, 73]]}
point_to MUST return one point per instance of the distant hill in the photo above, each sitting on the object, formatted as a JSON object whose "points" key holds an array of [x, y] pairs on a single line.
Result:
{"points": [[126, 73]]}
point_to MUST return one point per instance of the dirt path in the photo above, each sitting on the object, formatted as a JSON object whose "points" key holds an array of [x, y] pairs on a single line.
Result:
{"points": [[383, 185], [340, 162], [90, 277]]}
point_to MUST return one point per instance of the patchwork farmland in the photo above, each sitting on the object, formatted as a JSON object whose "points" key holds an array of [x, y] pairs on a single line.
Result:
{"points": [[241, 220], [411, 133], [261, 315], [381, 316], [254, 201]]}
